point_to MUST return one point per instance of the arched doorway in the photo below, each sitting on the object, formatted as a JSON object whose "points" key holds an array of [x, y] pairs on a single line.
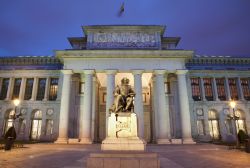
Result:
{"points": [[213, 121], [240, 121], [36, 125], [8, 121]]}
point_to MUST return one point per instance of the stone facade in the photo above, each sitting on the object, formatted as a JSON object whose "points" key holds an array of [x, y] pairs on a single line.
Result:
{"points": [[181, 93]]}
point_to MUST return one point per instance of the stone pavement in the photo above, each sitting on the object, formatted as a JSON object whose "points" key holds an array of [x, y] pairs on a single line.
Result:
{"points": [[173, 156]]}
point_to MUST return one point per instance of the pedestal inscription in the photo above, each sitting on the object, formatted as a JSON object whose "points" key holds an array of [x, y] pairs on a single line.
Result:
{"points": [[122, 133]]}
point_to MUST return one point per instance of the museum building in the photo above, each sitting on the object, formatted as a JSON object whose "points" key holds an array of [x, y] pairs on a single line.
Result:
{"points": [[180, 97]]}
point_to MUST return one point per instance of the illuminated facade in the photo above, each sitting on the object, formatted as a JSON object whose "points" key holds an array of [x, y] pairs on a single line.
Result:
{"points": [[183, 97]]}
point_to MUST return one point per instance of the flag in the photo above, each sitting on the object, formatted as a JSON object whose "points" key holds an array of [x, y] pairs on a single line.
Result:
{"points": [[122, 9]]}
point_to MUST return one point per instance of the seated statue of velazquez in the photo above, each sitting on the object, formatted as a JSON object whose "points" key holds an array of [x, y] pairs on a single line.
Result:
{"points": [[123, 97]]}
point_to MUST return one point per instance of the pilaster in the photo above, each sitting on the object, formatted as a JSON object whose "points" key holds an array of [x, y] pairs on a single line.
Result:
{"points": [[34, 89], [216, 98], [240, 91], [22, 88], [10, 89], [46, 93], [228, 93]]}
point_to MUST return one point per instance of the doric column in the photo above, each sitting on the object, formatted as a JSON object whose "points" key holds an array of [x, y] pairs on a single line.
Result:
{"points": [[22, 88], [202, 90], [216, 98], [228, 93], [163, 133], [138, 104], [240, 91], [85, 118], [46, 93], [1, 84], [184, 107], [34, 89], [93, 115], [64, 110], [109, 93], [10, 89]]}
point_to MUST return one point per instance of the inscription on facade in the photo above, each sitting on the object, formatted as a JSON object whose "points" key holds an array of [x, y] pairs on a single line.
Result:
{"points": [[124, 40]]}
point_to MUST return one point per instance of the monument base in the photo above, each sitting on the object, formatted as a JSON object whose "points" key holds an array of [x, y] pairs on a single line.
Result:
{"points": [[123, 144], [122, 160]]}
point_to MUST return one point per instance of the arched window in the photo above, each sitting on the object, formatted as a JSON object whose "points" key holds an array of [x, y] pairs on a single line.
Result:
{"points": [[213, 122], [240, 121], [36, 125], [9, 121]]}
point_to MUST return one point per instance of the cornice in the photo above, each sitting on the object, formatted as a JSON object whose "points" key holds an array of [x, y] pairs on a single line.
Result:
{"points": [[39, 60], [67, 54]]}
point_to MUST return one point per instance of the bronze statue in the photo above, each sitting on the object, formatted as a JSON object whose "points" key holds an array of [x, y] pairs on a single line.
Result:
{"points": [[123, 97]]}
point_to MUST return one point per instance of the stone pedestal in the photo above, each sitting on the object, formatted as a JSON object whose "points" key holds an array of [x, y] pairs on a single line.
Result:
{"points": [[123, 160], [122, 133]]}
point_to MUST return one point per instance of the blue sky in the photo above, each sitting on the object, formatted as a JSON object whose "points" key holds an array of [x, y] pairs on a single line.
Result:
{"points": [[210, 27]]}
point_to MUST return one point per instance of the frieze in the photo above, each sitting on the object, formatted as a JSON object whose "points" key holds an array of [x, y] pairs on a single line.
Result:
{"points": [[126, 40]]}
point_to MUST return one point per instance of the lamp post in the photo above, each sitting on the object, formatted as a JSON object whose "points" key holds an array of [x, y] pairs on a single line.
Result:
{"points": [[10, 135], [16, 103], [234, 118]]}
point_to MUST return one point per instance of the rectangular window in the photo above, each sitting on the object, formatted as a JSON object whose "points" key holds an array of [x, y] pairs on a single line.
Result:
{"points": [[4, 88], [16, 89], [28, 88], [220, 83], [41, 89], [208, 89], [245, 88], [53, 88], [233, 88], [196, 93]]}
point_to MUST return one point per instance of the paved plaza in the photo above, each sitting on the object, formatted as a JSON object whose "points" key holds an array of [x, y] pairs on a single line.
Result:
{"points": [[75, 156]]}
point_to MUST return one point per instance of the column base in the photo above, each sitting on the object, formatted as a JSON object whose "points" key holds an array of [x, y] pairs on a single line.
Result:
{"points": [[176, 141], [73, 141], [61, 141], [188, 141], [163, 141], [85, 141]]}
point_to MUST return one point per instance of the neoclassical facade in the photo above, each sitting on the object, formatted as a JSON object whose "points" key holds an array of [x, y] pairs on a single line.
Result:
{"points": [[180, 97]]}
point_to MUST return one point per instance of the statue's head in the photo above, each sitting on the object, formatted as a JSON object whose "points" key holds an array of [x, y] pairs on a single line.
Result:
{"points": [[125, 81]]}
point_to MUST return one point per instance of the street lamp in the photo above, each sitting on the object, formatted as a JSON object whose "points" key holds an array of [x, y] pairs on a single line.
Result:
{"points": [[10, 135], [16, 103], [234, 118]]}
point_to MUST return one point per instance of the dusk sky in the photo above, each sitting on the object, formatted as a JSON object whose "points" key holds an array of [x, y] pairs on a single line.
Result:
{"points": [[210, 27]]}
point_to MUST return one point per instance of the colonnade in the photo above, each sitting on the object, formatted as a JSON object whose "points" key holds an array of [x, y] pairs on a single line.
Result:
{"points": [[162, 123]]}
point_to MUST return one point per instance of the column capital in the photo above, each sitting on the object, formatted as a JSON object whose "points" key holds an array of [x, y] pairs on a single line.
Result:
{"points": [[89, 71], [181, 71], [137, 71], [67, 71], [111, 71], [160, 71]]}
